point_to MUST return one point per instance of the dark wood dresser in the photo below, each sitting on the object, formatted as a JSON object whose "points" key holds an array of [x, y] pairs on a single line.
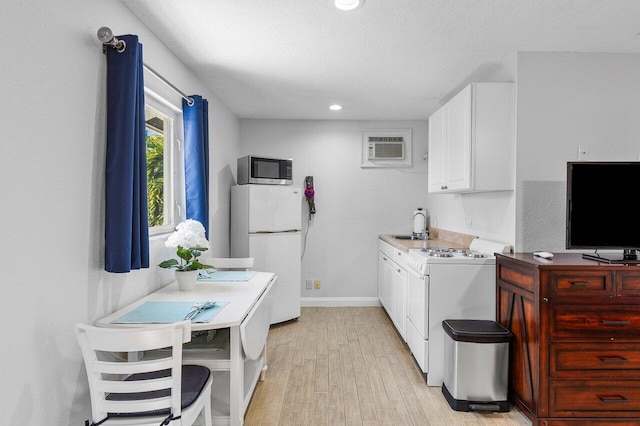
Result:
{"points": [[575, 357]]}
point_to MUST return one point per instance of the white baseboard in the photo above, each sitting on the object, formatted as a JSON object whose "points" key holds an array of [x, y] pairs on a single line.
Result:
{"points": [[339, 301]]}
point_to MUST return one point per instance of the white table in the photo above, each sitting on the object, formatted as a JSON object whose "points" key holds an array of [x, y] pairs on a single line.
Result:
{"points": [[248, 316]]}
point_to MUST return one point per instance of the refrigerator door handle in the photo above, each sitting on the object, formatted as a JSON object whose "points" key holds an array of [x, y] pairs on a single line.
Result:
{"points": [[275, 232]]}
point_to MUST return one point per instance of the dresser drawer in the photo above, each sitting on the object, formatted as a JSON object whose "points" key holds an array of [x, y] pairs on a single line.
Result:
{"points": [[593, 398], [609, 421], [515, 275], [594, 361], [628, 283], [596, 321], [580, 283]]}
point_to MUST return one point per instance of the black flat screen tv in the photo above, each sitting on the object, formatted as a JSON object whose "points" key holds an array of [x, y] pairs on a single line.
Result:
{"points": [[602, 213]]}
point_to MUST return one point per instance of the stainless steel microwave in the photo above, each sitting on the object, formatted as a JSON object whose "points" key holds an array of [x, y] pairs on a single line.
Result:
{"points": [[264, 170]]}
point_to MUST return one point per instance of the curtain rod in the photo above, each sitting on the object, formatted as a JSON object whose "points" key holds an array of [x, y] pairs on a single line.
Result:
{"points": [[105, 35]]}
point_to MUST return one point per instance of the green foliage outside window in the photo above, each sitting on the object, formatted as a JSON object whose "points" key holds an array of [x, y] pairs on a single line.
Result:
{"points": [[155, 179]]}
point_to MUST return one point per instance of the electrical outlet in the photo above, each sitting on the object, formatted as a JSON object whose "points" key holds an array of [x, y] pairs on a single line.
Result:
{"points": [[309, 284], [467, 221], [317, 284]]}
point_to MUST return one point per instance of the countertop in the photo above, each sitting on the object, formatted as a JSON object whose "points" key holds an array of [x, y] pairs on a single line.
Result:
{"points": [[440, 238], [562, 260]]}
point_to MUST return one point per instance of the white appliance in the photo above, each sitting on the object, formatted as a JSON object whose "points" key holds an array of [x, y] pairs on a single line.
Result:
{"points": [[266, 223], [445, 283]]}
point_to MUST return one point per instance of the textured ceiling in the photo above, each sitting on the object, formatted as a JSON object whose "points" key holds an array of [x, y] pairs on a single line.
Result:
{"points": [[389, 60]]}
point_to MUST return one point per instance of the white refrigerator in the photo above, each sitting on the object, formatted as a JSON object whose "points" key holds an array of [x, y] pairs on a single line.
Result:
{"points": [[266, 224]]}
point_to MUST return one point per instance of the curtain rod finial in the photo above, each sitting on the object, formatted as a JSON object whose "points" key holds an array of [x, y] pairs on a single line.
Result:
{"points": [[105, 35]]}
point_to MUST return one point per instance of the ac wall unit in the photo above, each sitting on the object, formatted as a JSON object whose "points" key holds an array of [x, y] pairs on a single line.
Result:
{"points": [[386, 148]]}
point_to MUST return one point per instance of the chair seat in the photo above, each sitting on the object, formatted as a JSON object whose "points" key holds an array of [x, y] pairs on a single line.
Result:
{"points": [[194, 379]]}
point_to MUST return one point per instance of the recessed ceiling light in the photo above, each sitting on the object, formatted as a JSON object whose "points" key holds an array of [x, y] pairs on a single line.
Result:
{"points": [[348, 4], [335, 107]]}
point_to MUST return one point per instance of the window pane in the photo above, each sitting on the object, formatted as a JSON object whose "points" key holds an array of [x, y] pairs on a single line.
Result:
{"points": [[165, 164], [157, 181]]}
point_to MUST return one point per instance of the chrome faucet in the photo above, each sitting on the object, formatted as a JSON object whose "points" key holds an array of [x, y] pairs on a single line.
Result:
{"points": [[419, 224], [424, 235]]}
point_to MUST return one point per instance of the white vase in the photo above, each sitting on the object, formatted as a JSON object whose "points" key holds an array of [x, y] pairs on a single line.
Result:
{"points": [[187, 279]]}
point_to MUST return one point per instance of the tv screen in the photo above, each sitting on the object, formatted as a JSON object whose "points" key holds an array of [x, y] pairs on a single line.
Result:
{"points": [[601, 208]]}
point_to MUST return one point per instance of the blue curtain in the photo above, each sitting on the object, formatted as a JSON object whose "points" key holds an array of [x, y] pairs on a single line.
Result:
{"points": [[126, 220], [196, 159]]}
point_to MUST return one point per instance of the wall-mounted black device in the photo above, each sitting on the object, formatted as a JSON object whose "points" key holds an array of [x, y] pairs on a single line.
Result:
{"points": [[309, 192]]}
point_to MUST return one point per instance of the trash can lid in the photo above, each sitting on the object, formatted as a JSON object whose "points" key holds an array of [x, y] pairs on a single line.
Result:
{"points": [[479, 331]]}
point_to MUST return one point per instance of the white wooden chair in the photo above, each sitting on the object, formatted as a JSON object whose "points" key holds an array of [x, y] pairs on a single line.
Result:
{"points": [[158, 391], [229, 263]]}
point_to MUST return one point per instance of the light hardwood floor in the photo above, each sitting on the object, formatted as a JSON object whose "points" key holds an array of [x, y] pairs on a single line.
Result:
{"points": [[349, 366]]}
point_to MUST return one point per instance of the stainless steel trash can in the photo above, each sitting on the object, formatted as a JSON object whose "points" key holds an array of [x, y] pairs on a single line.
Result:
{"points": [[476, 365]]}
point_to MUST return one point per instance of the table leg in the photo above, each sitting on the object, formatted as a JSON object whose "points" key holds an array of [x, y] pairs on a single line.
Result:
{"points": [[236, 379], [264, 368]]}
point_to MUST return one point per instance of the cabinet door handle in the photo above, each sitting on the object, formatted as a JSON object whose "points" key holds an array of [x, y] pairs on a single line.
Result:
{"points": [[444, 187], [614, 322], [612, 398], [614, 359], [580, 284]]}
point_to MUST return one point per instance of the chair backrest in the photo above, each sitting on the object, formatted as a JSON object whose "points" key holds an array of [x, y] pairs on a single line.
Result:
{"points": [[229, 263], [103, 350]]}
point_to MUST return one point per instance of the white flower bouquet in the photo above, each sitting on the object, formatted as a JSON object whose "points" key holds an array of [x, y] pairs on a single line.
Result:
{"points": [[190, 241]]}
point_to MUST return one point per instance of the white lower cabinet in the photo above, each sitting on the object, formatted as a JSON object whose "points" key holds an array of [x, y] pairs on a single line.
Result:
{"points": [[399, 286], [385, 275], [392, 284]]}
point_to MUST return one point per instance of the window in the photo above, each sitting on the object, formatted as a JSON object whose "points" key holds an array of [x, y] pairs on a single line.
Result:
{"points": [[165, 165]]}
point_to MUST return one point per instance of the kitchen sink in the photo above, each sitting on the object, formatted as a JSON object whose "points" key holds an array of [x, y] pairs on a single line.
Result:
{"points": [[407, 237]]}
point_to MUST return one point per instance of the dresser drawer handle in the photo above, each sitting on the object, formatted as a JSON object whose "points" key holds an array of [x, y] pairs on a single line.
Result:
{"points": [[613, 359], [612, 398], [614, 322], [580, 284]]}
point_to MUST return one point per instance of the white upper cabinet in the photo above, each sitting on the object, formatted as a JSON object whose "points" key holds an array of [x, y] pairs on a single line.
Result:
{"points": [[472, 140], [436, 159]]}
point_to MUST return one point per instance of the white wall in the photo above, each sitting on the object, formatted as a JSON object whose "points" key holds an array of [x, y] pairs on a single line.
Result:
{"points": [[52, 117], [566, 100], [354, 205]]}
